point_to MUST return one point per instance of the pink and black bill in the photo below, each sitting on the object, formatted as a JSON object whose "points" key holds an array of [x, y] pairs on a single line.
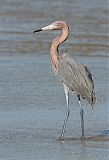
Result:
{"points": [[39, 30]]}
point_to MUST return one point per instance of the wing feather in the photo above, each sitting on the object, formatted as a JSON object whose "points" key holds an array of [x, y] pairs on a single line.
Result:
{"points": [[76, 77]]}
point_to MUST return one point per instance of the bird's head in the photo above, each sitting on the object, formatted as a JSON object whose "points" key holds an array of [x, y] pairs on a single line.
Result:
{"points": [[58, 25]]}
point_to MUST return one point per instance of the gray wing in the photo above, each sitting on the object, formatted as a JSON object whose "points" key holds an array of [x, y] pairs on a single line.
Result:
{"points": [[76, 77]]}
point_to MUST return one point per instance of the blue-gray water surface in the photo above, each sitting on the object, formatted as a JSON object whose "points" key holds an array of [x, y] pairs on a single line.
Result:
{"points": [[32, 100]]}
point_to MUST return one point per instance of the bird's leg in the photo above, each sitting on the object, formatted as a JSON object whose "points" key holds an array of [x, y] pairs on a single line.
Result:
{"points": [[82, 117], [67, 112]]}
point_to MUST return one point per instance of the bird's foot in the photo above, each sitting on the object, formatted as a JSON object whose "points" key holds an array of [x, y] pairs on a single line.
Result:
{"points": [[61, 139], [83, 137]]}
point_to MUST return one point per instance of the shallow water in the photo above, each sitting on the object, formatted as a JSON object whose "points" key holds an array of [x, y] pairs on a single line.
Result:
{"points": [[88, 22], [32, 100], [32, 110]]}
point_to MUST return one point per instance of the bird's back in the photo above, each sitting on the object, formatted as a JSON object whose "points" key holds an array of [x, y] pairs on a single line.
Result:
{"points": [[76, 77]]}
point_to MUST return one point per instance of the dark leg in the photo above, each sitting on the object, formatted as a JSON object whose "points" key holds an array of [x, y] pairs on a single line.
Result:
{"points": [[82, 117], [64, 125], [67, 112]]}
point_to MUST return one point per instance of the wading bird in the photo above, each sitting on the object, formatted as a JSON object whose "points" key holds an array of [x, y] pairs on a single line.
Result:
{"points": [[74, 76]]}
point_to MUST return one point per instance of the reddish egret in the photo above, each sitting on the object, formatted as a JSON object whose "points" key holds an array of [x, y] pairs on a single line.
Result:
{"points": [[74, 76]]}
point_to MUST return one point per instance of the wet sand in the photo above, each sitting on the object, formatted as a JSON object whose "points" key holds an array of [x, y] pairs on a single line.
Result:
{"points": [[32, 100]]}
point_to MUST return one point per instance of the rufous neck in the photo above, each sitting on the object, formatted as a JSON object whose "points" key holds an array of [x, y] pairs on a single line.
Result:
{"points": [[60, 39], [55, 44]]}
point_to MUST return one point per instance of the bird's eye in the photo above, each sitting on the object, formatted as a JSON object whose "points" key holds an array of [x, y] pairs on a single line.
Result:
{"points": [[56, 25]]}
